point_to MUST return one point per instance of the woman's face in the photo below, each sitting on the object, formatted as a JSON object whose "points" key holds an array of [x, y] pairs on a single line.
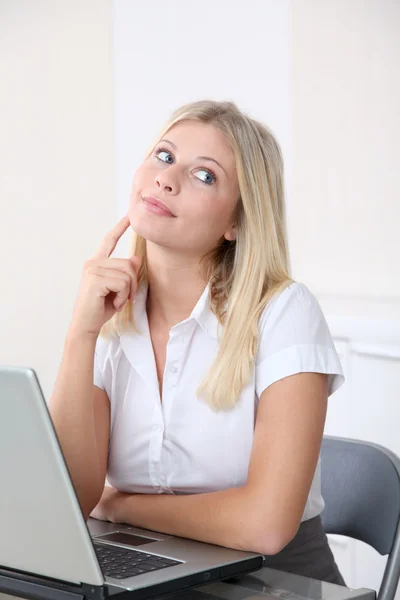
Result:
{"points": [[184, 195]]}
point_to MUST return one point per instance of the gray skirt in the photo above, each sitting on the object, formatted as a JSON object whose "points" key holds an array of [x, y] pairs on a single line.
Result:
{"points": [[308, 554]]}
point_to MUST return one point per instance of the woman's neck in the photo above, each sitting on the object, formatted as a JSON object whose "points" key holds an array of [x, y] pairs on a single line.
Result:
{"points": [[175, 286]]}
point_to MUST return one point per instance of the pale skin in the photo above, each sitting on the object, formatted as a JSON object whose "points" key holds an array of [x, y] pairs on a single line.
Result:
{"points": [[264, 514]]}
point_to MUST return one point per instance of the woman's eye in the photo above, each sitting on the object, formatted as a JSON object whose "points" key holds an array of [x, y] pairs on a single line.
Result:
{"points": [[165, 156], [206, 176]]}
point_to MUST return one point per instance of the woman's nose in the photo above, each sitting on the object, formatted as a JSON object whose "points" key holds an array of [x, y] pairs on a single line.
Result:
{"points": [[166, 182]]}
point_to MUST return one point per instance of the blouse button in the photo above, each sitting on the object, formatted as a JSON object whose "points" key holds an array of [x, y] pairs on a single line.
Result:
{"points": [[173, 369]]}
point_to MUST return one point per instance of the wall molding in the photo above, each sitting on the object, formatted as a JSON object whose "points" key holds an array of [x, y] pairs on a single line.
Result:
{"points": [[370, 325]]}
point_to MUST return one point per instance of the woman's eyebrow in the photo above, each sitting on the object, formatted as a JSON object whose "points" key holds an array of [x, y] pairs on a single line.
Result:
{"points": [[213, 160], [168, 142], [199, 157]]}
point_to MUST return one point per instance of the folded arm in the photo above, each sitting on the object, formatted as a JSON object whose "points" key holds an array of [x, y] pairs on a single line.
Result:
{"points": [[264, 514]]}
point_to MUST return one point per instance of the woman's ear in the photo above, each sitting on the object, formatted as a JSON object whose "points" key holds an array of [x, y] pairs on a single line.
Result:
{"points": [[230, 235]]}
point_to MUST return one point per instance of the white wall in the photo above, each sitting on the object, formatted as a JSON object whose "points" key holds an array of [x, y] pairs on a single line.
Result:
{"points": [[57, 190], [345, 209], [169, 53]]}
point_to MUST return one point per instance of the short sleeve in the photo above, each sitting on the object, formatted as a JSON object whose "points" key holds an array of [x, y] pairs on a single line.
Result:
{"points": [[97, 374], [295, 338], [100, 363]]}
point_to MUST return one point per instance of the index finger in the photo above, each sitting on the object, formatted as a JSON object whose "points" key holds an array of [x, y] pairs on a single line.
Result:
{"points": [[111, 239]]}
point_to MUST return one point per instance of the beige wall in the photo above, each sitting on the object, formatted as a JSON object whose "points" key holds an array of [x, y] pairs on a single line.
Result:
{"points": [[56, 155], [345, 205]]}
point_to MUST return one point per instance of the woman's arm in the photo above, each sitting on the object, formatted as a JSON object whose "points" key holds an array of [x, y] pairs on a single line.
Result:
{"points": [[81, 416], [265, 513]]}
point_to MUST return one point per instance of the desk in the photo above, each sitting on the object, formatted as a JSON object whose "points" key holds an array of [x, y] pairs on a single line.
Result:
{"points": [[266, 583]]}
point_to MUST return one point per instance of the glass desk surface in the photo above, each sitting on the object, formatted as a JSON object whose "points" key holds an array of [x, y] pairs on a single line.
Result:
{"points": [[272, 584]]}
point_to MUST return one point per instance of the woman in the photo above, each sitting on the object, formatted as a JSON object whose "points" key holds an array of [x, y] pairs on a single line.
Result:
{"points": [[213, 368]]}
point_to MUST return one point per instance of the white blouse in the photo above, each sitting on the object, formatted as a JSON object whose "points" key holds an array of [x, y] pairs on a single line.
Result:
{"points": [[181, 446]]}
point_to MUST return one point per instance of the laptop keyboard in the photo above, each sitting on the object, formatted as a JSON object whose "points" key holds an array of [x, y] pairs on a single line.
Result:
{"points": [[120, 563]]}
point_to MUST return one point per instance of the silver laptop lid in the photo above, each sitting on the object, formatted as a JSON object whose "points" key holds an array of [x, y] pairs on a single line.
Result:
{"points": [[42, 527]]}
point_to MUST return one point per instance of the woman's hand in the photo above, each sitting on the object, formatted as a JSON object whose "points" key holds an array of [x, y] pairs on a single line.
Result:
{"points": [[106, 284], [108, 508]]}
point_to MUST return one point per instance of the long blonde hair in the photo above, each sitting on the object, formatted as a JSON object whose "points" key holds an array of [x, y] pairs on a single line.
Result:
{"points": [[244, 274]]}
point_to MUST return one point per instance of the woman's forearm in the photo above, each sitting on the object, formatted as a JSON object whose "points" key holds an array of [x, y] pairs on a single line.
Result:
{"points": [[227, 518]]}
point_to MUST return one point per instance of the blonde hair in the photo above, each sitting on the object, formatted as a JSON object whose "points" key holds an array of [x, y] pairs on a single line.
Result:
{"points": [[244, 274]]}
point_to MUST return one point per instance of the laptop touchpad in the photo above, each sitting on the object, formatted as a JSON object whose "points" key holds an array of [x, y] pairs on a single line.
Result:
{"points": [[129, 539]]}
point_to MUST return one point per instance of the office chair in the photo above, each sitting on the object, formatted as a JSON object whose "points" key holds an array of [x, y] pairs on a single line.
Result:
{"points": [[361, 489]]}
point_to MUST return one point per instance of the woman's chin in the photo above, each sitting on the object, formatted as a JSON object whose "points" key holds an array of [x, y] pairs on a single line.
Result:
{"points": [[138, 226], [149, 233]]}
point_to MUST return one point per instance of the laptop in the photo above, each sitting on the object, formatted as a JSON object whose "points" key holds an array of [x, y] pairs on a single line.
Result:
{"points": [[47, 550]]}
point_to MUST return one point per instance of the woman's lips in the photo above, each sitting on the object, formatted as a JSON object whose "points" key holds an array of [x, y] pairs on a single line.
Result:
{"points": [[156, 206]]}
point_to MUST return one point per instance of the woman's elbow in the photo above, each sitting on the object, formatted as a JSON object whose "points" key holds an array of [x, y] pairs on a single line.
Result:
{"points": [[89, 501], [270, 543], [268, 539]]}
